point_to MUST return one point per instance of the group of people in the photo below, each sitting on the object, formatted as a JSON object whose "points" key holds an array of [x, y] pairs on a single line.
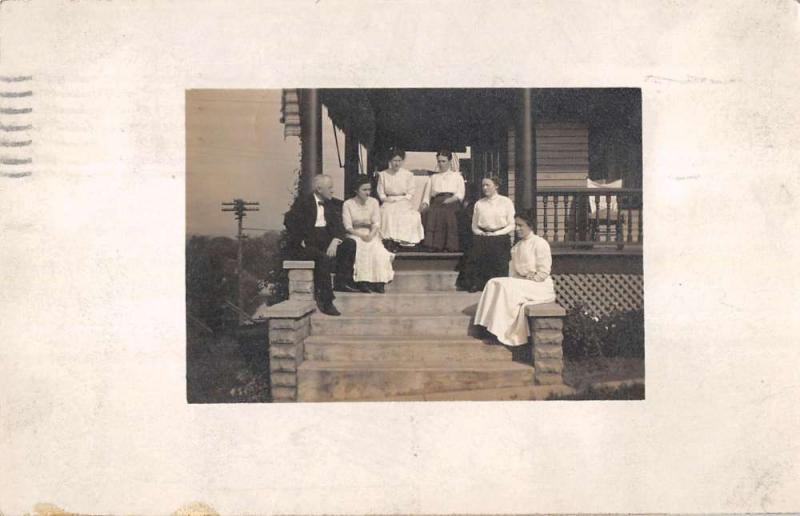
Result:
{"points": [[431, 226], [349, 240], [343, 240]]}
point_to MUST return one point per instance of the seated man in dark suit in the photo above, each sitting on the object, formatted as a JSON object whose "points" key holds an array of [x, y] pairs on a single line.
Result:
{"points": [[315, 231]]}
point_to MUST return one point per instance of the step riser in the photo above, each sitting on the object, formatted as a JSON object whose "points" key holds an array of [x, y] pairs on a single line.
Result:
{"points": [[433, 282], [387, 304], [445, 264], [531, 392], [383, 352], [325, 385], [412, 326]]}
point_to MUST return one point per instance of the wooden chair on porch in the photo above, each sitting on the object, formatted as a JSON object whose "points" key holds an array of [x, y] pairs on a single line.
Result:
{"points": [[422, 182], [604, 213]]}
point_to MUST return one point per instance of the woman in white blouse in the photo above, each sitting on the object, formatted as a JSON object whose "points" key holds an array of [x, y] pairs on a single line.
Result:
{"points": [[501, 308], [445, 195], [362, 220], [401, 224], [492, 226]]}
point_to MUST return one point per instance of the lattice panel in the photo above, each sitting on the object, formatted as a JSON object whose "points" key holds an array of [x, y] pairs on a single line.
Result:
{"points": [[600, 293]]}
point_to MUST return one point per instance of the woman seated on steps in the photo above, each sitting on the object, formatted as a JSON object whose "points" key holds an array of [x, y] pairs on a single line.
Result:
{"points": [[501, 308], [362, 221]]}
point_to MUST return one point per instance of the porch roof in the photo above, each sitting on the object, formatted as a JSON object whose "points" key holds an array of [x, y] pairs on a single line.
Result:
{"points": [[425, 119], [420, 119]]}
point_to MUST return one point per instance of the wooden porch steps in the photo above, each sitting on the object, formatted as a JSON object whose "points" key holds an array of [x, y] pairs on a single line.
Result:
{"points": [[394, 349], [352, 380], [415, 342], [439, 325], [407, 303]]}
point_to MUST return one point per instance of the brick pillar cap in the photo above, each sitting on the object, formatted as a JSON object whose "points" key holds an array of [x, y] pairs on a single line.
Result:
{"points": [[298, 264], [545, 310], [291, 309]]}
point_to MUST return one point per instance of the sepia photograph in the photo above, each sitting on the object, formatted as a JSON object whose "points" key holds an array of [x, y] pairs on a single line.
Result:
{"points": [[414, 244]]}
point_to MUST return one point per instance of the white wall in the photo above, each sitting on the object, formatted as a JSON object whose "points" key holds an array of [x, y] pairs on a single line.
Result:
{"points": [[427, 160]]}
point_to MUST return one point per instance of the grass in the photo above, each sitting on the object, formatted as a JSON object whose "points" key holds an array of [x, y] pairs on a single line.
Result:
{"points": [[581, 374]]}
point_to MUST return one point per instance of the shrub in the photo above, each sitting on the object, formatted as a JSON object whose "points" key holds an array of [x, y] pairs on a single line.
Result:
{"points": [[211, 276], [624, 392], [273, 273], [625, 335], [206, 285], [619, 334]]}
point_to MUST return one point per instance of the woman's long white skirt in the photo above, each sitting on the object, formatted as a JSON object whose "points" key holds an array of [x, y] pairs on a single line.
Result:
{"points": [[501, 308], [373, 262], [401, 222]]}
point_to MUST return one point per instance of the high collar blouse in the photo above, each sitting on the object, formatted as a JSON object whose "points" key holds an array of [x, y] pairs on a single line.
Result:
{"points": [[398, 184], [531, 255], [357, 215], [447, 182], [494, 214]]}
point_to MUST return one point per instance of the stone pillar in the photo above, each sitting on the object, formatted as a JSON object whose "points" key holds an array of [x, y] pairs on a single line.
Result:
{"points": [[301, 279], [547, 332], [289, 325]]}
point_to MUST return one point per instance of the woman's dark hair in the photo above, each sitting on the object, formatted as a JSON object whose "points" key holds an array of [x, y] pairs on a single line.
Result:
{"points": [[526, 217], [396, 151], [496, 180], [360, 181], [446, 153]]}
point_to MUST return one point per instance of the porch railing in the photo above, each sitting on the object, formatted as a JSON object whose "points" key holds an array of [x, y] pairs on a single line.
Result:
{"points": [[590, 217]]}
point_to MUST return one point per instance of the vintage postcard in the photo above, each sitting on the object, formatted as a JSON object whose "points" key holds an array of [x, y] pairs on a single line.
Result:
{"points": [[407, 257]]}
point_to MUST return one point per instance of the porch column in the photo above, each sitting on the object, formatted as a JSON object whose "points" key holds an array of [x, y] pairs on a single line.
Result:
{"points": [[310, 137], [526, 172]]}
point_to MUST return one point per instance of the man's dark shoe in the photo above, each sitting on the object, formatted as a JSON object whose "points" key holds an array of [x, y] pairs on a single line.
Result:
{"points": [[363, 287], [329, 309], [378, 288]]}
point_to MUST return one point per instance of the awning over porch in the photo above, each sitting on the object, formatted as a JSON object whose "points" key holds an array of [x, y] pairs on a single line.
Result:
{"points": [[421, 119]]}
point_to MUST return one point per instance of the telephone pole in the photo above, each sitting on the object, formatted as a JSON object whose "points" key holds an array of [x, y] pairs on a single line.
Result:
{"points": [[240, 208]]}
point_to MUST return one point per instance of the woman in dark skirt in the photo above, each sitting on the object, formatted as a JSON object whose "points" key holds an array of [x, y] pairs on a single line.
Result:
{"points": [[445, 197], [492, 226]]}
